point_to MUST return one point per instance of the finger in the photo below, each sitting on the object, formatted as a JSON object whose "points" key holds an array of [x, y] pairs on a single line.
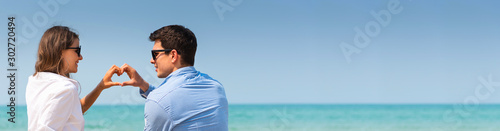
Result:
{"points": [[127, 83], [109, 84], [124, 64], [129, 70], [115, 83], [110, 68], [118, 71], [114, 69], [124, 68], [109, 73], [113, 66]]}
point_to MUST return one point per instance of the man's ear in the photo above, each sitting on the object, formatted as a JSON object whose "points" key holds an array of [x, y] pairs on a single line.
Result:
{"points": [[175, 55]]}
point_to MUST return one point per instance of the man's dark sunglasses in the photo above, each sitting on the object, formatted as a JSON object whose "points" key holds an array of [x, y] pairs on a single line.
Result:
{"points": [[78, 49], [155, 53]]}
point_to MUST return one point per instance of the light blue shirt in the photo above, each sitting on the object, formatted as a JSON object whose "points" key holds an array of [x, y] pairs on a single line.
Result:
{"points": [[186, 100]]}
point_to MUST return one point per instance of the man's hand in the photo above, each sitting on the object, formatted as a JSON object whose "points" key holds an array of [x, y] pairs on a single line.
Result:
{"points": [[135, 79]]}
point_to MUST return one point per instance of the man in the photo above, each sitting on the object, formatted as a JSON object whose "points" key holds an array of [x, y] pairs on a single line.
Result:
{"points": [[186, 99]]}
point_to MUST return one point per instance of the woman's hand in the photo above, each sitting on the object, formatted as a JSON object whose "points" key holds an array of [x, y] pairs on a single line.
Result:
{"points": [[106, 81]]}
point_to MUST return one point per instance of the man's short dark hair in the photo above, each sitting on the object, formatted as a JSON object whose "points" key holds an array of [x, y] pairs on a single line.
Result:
{"points": [[179, 38]]}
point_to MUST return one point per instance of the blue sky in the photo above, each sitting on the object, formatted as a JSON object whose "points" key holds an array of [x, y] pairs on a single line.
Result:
{"points": [[282, 51]]}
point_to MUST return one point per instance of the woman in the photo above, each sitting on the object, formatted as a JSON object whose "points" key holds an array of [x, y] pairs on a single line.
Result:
{"points": [[51, 95]]}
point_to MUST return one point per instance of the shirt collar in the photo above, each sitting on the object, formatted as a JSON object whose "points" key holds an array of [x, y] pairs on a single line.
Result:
{"points": [[180, 72]]}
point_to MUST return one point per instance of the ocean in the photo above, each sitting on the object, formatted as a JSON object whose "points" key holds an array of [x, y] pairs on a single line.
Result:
{"points": [[304, 117]]}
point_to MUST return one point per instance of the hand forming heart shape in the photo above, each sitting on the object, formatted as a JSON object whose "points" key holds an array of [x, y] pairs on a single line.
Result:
{"points": [[135, 79]]}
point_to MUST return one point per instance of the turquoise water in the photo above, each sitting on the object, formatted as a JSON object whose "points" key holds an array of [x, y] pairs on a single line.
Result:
{"points": [[306, 118]]}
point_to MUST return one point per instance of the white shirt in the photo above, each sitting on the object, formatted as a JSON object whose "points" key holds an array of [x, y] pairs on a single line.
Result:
{"points": [[53, 103]]}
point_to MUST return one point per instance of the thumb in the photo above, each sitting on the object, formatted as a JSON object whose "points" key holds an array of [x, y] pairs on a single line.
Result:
{"points": [[127, 83], [115, 83]]}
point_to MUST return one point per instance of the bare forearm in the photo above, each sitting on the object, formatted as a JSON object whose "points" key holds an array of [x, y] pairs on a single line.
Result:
{"points": [[88, 100]]}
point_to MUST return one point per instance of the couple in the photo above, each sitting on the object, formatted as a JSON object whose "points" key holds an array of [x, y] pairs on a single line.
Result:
{"points": [[185, 100]]}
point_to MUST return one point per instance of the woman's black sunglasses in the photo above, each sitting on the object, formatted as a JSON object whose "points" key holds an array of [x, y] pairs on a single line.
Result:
{"points": [[78, 49]]}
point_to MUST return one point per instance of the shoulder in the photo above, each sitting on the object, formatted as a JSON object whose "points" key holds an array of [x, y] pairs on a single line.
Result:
{"points": [[201, 87], [64, 85], [52, 82], [57, 84], [206, 79]]}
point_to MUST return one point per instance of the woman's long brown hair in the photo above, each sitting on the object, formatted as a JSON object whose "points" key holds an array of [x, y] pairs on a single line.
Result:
{"points": [[53, 42]]}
